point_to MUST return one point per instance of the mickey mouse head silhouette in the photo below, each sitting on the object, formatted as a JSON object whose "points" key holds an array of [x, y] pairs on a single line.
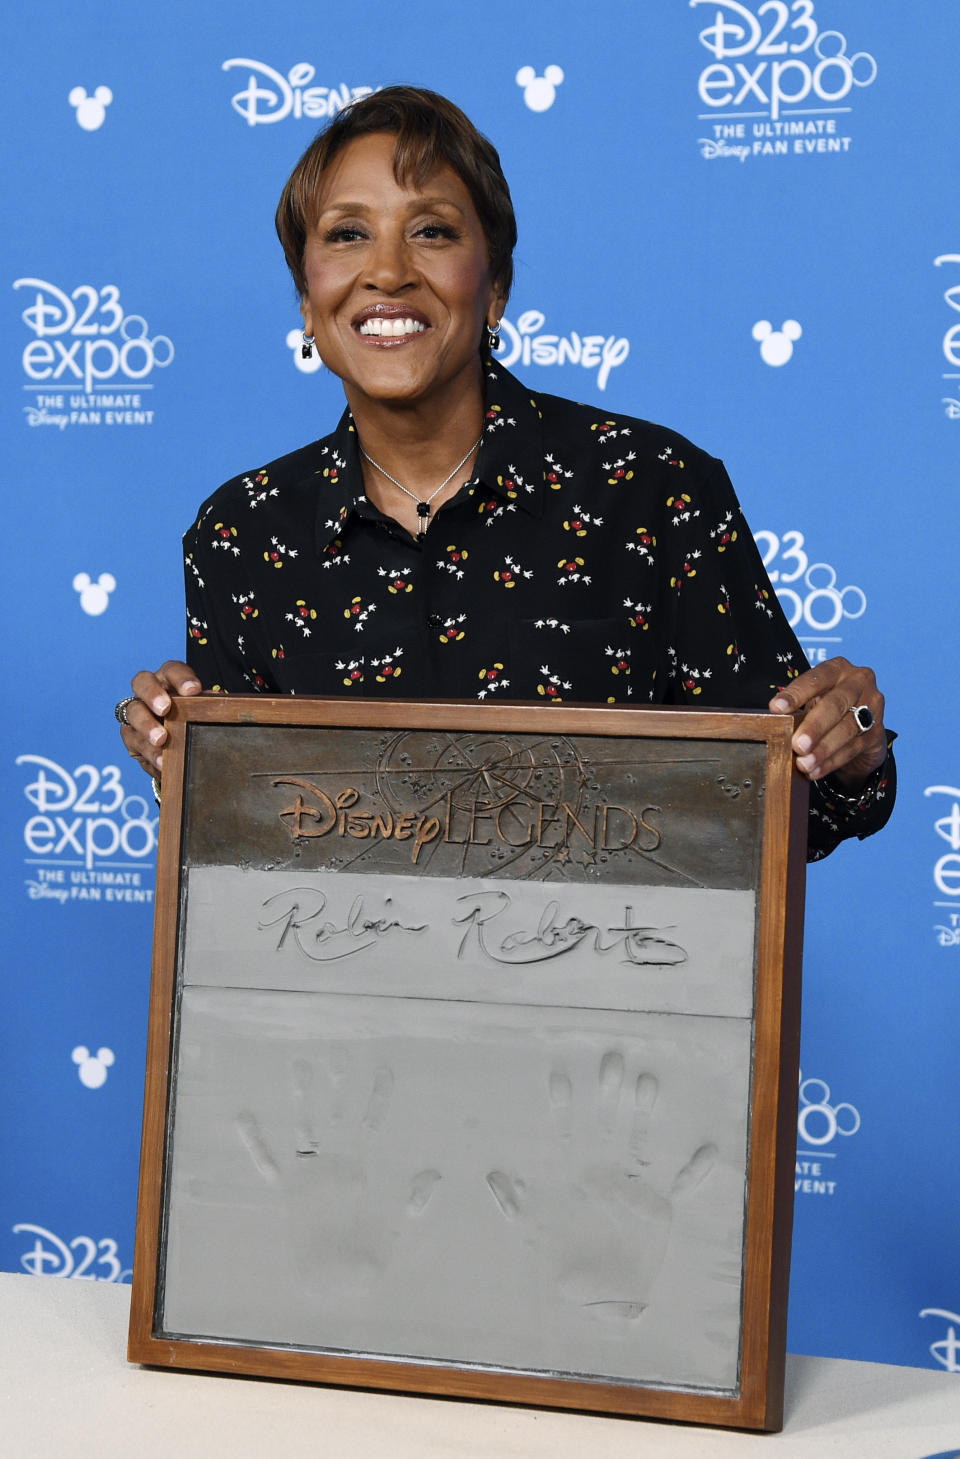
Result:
{"points": [[306, 366], [92, 1068], [94, 596], [776, 345], [539, 92], [91, 110]]}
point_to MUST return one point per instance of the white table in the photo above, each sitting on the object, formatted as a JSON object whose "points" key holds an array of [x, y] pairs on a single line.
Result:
{"points": [[66, 1389]]}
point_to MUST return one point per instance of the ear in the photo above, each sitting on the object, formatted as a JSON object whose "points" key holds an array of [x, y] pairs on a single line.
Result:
{"points": [[307, 315], [497, 305]]}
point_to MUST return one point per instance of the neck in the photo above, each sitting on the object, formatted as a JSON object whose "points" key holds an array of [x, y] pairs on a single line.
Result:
{"points": [[418, 442]]}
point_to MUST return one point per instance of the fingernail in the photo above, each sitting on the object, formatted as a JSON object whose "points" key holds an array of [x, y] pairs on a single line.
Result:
{"points": [[806, 763], [779, 705], [189, 685], [161, 704], [158, 735], [802, 743], [158, 760]]}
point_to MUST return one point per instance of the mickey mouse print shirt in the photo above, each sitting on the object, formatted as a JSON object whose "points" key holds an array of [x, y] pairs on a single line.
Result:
{"points": [[589, 559]]}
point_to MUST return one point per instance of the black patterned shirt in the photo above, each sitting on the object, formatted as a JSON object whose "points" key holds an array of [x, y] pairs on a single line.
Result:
{"points": [[589, 559]]}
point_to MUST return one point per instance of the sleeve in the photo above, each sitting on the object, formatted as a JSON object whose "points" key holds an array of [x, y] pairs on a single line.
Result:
{"points": [[220, 650], [731, 645]]}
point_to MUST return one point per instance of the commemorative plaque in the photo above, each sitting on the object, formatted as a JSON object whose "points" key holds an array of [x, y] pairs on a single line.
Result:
{"points": [[473, 1052]]}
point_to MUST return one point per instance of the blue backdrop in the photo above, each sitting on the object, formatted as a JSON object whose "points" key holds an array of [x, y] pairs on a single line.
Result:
{"points": [[739, 219]]}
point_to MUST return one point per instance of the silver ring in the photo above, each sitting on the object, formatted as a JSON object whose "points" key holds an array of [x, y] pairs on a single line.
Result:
{"points": [[864, 717], [120, 708]]}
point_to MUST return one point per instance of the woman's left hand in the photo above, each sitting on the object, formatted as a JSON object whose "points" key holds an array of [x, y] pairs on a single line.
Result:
{"points": [[829, 739]]}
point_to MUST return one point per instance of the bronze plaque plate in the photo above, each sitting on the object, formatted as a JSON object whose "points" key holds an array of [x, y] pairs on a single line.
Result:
{"points": [[473, 1052]]}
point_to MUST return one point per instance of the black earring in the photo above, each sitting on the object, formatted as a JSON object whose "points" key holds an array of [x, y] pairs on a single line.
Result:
{"points": [[306, 349], [493, 336]]}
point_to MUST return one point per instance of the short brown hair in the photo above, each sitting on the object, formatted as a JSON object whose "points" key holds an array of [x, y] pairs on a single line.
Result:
{"points": [[430, 131]]}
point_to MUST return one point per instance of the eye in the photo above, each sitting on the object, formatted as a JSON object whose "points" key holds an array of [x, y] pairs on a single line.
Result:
{"points": [[435, 231], [344, 233]]}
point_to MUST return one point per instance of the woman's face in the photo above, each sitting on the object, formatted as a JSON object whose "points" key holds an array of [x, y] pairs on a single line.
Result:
{"points": [[398, 280]]}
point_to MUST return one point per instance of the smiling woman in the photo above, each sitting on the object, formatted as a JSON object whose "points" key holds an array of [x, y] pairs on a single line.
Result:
{"points": [[397, 289], [456, 536]]}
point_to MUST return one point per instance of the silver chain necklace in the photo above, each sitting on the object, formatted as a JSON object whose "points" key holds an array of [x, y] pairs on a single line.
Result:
{"points": [[423, 503]]}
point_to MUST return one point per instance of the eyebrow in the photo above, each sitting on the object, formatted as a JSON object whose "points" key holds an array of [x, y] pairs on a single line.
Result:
{"points": [[418, 204]]}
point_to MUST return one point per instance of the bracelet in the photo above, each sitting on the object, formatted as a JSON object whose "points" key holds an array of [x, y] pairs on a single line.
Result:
{"points": [[867, 792]]}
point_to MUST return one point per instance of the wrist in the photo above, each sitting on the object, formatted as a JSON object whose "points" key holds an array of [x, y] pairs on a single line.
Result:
{"points": [[851, 792]]}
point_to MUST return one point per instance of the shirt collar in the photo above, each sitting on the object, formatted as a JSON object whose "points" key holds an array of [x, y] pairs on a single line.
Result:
{"points": [[511, 460], [510, 463]]}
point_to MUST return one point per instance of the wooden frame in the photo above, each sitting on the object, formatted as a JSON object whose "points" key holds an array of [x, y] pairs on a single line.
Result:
{"points": [[613, 1324]]}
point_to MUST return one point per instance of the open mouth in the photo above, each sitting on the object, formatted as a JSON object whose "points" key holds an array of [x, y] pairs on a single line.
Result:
{"points": [[391, 328], [385, 323]]}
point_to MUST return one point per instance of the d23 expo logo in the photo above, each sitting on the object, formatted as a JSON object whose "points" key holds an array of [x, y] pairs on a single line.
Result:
{"points": [[778, 85], [89, 362], [810, 593], [820, 1121], [86, 838], [48, 1255], [946, 869]]}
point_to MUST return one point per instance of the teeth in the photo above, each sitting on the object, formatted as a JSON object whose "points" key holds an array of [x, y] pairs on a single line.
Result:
{"points": [[391, 327]]}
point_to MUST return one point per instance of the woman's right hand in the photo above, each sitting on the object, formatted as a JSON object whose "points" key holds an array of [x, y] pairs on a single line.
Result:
{"points": [[144, 734]]}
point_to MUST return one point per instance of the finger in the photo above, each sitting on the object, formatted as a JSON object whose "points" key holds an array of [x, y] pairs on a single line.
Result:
{"points": [[179, 677], [826, 693], [832, 711], [855, 760], [155, 689], [846, 747], [144, 736], [810, 684], [139, 745], [144, 722], [836, 747]]}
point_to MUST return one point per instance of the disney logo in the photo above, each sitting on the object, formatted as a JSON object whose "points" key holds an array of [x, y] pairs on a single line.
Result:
{"points": [[593, 351], [271, 97], [947, 1351], [711, 148]]}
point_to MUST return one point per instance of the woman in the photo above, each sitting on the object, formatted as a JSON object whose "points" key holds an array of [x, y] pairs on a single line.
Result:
{"points": [[457, 537]]}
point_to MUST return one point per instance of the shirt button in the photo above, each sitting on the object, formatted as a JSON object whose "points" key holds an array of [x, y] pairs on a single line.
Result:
{"points": [[435, 621]]}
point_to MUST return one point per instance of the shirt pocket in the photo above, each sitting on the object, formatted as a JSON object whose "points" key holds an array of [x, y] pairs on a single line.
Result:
{"points": [[593, 661]]}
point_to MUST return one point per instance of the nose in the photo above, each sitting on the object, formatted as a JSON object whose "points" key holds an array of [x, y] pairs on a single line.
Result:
{"points": [[388, 264]]}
